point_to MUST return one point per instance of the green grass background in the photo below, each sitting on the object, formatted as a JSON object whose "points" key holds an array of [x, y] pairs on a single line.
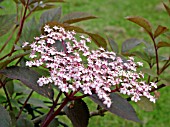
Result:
{"points": [[111, 22]]}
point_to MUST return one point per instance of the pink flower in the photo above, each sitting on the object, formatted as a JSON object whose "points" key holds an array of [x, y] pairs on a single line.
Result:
{"points": [[25, 44], [135, 97], [91, 71]]}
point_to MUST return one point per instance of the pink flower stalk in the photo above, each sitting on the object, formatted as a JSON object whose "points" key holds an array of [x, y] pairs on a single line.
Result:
{"points": [[74, 67]]}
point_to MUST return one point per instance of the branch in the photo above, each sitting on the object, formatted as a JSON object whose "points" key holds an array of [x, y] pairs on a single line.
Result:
{"points": [[9, 38], [159, 87], [47, 122], [98, 112], [12, 58], [21, 27], [165, 66], [79, 97], [52, 108], [24, 104], [156, 52], [93, 113], [6, 93], [30, 12]]}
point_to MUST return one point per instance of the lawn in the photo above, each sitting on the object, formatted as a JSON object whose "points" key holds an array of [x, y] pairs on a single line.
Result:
{"points": [[111, 22]]}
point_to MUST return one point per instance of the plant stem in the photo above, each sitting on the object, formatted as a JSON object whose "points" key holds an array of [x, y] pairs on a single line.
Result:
{"points": [[160, 86], [164, 67], [10, 59], [6, 93], [19, 32], [9, 38], [52, 108], [47, 122], [19, 61], [21, 27], [30, 13], [98, 112], [156, 52], [117, 89], [79, 97], [24, 104]]}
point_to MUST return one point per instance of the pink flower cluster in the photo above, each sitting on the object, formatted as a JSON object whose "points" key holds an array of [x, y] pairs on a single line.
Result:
{"points": [[74, 67]]}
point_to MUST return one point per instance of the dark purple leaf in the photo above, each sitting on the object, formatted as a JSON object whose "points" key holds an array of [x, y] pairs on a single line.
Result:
{"points": [[99, 40], [30, 30], [10, 87], [12, 58], [113, 45], [6, 23], [163, 44], [50, 15], [5, 119], [48, 1], [149, 50], [130, 44], [44, 1], [78, 113], [161, 59], [142, 55], [160, 30], [29, 78], [167, 8], [149, 72], [44, 7], [34, 101], [23, 2], [33, 1], [75, 28], [76, 17], [120, 107], [65, 26], [141, 22], [41, 71]]}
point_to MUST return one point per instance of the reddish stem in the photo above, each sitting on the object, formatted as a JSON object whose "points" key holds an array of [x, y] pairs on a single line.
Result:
{"points": [[159, 87], [164, 67], [156, 52], [115, 90], [52, 108], [6, 93], [24, 104], [21, 27], [9, 38], [79, 97], [47, 122]]}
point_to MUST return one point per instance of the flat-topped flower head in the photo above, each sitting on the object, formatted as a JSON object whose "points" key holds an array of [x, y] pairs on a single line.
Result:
{"points": [[73, 67]]}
